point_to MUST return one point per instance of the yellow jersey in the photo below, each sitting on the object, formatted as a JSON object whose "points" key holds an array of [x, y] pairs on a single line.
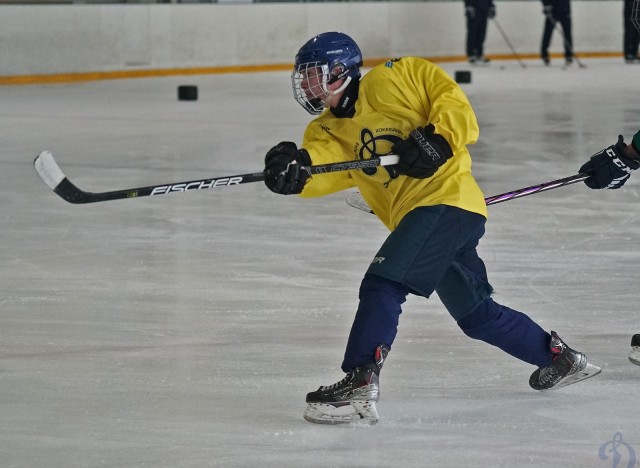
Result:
{"points": [[393, 99]]}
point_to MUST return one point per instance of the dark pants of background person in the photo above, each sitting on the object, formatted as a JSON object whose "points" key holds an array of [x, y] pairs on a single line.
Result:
{"points": [[477, 29], [631, 34], [560, 15]]}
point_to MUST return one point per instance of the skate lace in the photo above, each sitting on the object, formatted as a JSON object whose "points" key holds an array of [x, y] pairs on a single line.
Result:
{"points": [[563, 364], [548, 375], [339, 383]]}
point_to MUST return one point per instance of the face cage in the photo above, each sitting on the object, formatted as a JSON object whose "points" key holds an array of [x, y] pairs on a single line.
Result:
{"points": [[315, 77], [635, 14]]}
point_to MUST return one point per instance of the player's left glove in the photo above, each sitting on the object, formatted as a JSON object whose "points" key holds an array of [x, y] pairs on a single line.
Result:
{"points": [[282, 168], [422, 153], [492, 12], [609, 168]]}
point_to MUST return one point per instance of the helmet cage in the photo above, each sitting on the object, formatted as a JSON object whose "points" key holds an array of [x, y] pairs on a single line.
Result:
{"points": [[309, 82]]}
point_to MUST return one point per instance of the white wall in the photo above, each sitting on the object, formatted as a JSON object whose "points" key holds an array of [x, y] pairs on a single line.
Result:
{"points": [[49, 39]]}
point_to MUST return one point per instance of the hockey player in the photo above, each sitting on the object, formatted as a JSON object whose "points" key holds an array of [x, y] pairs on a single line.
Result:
{"points": [[429, 201], [557, 11], [611, 168], [478, 13], [631, 35]]}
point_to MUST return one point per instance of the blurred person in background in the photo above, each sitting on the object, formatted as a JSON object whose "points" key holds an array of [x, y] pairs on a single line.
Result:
{"points": [[631, 32], [557, 11], [478, 13]]}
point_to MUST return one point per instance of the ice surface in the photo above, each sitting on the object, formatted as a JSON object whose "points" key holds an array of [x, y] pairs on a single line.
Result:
{"points": [[185, 330]]}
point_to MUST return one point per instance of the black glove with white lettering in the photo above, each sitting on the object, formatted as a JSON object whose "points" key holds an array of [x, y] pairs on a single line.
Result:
{"points": [[422, 153], [609, 168], [282, 168]]}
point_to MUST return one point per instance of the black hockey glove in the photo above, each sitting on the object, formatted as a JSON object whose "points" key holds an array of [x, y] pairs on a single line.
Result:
{"points": [[282, 168], [492, 11], [609, 168], [422, 153]]}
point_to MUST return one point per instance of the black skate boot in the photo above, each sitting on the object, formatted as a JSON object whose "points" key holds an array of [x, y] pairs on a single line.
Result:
{"points": [[634, 357], [351, 399], [567, 367]]}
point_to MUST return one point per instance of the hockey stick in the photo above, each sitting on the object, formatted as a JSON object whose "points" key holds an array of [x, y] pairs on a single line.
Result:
{"points": [[52, 175], [506, 39], [564, 38], [356, 200], [635, 14], [523, 192]]}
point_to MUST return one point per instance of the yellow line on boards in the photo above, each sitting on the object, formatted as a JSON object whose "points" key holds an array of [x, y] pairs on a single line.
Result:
{"points": [[128, 74]]}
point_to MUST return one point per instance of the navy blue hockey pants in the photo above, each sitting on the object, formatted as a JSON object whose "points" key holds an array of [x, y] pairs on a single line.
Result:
{"points": [[434, 249]]}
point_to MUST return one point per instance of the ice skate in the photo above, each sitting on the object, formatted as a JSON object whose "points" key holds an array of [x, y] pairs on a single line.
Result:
{"points": [[634, 356], [480, 60], [568, 62], [567, 367], [352, 399]]}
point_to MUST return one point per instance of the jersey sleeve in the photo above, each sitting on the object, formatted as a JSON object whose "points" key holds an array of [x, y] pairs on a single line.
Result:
{"points": [[450, 111], [324, 150]]}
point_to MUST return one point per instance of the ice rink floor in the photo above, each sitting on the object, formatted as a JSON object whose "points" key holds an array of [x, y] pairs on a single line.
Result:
{"points": [[185, 330]]}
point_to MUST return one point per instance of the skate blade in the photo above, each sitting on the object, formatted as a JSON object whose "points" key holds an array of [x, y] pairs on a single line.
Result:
{"points": [[634, 357], [589, 371], [354, 411]]}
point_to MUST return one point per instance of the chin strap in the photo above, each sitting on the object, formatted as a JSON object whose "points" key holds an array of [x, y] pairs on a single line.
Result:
{"points": [[344, 85], [347, 103]]}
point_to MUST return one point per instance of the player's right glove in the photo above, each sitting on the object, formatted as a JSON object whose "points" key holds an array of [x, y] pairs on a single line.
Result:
{"points": [[547, 10], [422, 153], [609, 168], [492, 11], [282, 168]]}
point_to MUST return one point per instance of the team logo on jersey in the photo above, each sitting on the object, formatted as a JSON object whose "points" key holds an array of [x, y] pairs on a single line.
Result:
{"points": [[389, 63], [375, 144]]}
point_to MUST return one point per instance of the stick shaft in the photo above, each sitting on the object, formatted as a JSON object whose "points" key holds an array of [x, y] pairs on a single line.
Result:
{"points": [[356, 200], [523, 192], [506, 39], [52, 175]]}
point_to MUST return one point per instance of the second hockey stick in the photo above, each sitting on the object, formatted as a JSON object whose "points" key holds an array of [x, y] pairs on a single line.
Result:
{"points": [[356, 200], [506, 39], [52, 175]]}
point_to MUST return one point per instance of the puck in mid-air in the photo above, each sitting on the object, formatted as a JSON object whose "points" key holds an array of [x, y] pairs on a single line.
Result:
{"points": [[187, 93], [463, 76]]}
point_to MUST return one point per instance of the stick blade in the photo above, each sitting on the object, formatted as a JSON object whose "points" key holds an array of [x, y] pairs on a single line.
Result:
{"points": [[48, 170], [356, 200]]}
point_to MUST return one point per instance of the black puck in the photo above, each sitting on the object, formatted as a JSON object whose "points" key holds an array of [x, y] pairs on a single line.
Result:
{"points": [[187, 93], [463, 76]]}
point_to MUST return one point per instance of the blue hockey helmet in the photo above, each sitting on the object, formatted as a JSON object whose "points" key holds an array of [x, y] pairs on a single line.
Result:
{"points": [[323, 60]]}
